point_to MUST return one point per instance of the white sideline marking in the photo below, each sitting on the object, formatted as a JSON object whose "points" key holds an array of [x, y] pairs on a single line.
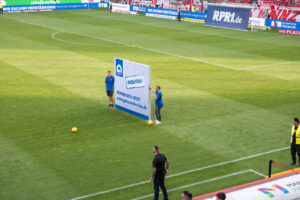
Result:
{"points": [[134, 46], [205, 181], [184, 172], [269, 65]]}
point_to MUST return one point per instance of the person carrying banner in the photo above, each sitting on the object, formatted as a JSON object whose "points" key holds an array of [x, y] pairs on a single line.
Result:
{"points": [[157, 94], [295, 141], [109, 88]]}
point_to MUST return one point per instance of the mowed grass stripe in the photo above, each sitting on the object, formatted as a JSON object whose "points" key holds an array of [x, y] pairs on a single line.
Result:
{"points": [[202, 49], [210, 114]]}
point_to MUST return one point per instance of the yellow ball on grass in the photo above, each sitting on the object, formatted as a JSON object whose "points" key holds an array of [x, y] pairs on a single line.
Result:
{"points": [[150, 122], [74, 130]]}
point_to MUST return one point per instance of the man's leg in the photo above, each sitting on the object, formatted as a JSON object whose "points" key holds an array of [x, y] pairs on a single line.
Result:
{"points": [[163, 188], [111, 99], [156, 188], [298, 152], [156, 113], [293, 153], [159, 115]]}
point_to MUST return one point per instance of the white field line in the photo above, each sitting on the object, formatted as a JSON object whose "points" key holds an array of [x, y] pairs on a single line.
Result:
{"points": [[156, 51], [258, 173], [133, 46], [182, 173], [268, 65], [205, 181], [201, 32], [53, 36], [262, 38], [61, 40]]}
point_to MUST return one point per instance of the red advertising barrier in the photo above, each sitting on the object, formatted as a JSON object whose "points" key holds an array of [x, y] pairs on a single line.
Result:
{"points": [[289, 32]]}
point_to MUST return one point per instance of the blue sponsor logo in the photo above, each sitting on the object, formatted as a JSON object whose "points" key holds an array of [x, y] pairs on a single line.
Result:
{"points": [[138, 8], [119, 67], [228, 17], [137, 81], [280, 24]]}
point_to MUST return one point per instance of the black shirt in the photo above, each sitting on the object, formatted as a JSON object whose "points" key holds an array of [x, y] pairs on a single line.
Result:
{"points": [[159, 163], [294, 135]]}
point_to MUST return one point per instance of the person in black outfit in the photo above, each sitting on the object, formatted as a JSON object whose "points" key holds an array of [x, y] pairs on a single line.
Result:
{"points": [[179, 15], [295, 143], [221, 196], [160, 166], [186, 195]]}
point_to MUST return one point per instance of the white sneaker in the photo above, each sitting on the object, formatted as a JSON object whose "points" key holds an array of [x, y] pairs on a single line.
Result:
{"points": [[157, 122]]}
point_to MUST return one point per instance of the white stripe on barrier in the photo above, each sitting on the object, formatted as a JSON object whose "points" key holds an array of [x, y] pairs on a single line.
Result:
{"points": [[184, 172], [205, 181]]}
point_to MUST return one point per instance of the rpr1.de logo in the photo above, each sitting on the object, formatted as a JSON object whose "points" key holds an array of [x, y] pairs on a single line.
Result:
{"points": [[228, 17]]}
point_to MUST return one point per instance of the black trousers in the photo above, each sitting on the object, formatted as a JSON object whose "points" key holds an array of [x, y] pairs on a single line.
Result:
{"points": [[295, 149], [179, 18], [157, 113], [1, 10], [160, 182]]}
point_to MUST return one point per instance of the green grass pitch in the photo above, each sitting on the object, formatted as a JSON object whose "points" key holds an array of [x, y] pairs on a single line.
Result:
{"points": [[227, 94]]}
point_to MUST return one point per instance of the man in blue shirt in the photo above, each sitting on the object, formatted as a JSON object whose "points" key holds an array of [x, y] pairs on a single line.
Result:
{"points": [[109, 88], [158, 103]]}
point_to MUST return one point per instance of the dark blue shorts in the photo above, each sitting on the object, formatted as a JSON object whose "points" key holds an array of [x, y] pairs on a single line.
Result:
{"points": [[110, 93]]}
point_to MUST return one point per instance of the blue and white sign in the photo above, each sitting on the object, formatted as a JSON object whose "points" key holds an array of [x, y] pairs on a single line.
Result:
{"points": [[168, 12], [283, 24], [132, 82], [228, 17], [49, 7]]}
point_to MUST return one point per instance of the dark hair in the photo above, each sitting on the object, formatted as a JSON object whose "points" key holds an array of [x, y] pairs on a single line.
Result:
{"points": [[221, 195], [188, 194], [296, 119], [108, 71], [156, 148], [158, 87]]}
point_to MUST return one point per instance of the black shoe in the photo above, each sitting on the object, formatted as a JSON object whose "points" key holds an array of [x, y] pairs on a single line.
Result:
{"points": [[293, 163], [112, 105], [109, 105]]}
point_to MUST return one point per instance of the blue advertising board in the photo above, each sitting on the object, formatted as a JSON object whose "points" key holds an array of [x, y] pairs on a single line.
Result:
{"points": [[228, 17], [288, 25], [168, 12], [193, 15], [48, 7]]}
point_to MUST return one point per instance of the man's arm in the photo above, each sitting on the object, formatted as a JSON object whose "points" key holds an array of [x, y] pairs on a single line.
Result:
{"points": [[153, 173], [153, 92], [167, 166], [154, 95]]}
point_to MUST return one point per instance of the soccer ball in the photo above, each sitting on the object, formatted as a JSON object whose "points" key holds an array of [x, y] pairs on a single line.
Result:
{"points": [[74, 130], [150, 123]]}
